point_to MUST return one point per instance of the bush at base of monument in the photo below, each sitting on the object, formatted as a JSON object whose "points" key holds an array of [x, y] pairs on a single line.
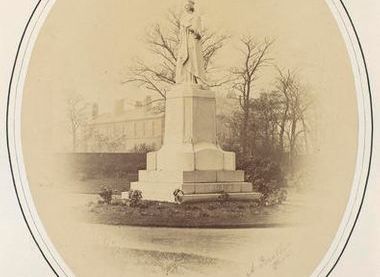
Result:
{"points": [[135, 197], [267, 177], [106, 195]]}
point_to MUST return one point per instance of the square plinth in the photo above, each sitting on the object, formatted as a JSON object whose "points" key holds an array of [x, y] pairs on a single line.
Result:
{"points": [[197, 176]]}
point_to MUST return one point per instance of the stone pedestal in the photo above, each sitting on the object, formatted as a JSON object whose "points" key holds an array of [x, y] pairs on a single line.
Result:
{"points": [[190, 159]]}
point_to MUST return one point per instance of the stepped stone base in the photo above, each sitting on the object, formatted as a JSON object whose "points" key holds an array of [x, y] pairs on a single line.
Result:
{"points": [[251, 196], [194, 185], [194, 192], [190, 159]]}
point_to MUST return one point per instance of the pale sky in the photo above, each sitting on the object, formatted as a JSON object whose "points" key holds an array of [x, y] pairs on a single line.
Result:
{"points": [[87, 46]]}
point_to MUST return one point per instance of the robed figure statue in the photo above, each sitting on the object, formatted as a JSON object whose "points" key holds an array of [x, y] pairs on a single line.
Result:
{"points": [[190, 62]]}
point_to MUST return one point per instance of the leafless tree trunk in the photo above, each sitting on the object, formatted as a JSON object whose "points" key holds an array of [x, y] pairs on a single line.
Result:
{"points": [[254, 56], [296, 104], [77, 117], [285, 83], [306, 131]]}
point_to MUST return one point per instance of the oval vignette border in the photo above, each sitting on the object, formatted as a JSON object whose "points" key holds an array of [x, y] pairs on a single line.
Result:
{"points": [[57, 263]]}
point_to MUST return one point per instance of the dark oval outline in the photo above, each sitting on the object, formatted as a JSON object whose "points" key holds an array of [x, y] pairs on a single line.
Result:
{"points": [[370, 156]]}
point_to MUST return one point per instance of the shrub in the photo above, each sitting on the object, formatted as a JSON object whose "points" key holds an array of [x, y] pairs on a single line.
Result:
{"points": [[178, 195], [135, 197], [143, 148], [106, 195], [265, 175], [224, 197]]}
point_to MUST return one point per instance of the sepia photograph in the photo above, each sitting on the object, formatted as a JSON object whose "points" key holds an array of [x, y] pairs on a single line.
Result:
{"points": [[192, 138]]}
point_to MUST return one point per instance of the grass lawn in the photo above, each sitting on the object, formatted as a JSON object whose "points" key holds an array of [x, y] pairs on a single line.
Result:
{"points": [[94, 186], [218, 214]]}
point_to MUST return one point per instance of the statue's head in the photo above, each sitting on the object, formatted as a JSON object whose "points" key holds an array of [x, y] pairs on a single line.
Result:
{"points": [[190, 6]]}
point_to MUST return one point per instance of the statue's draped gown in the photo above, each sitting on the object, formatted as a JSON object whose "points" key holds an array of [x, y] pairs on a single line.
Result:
{"points": [[190, 63]]}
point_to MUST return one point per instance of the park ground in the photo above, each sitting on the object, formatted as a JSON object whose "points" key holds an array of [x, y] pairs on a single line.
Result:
{"points": [[98, 239]]}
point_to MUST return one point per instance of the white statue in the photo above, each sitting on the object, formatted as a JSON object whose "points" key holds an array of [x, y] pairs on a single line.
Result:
{"points": [[190, 62]]}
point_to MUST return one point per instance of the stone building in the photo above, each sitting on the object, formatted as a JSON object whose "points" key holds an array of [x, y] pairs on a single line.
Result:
{"points": [[124, 130]]}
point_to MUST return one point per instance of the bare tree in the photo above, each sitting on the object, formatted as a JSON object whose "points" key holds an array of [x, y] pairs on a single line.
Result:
{"points": [[284, 85], [254, 58], [299, 104], [163, 41], [296, 102], [77, 114]]}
